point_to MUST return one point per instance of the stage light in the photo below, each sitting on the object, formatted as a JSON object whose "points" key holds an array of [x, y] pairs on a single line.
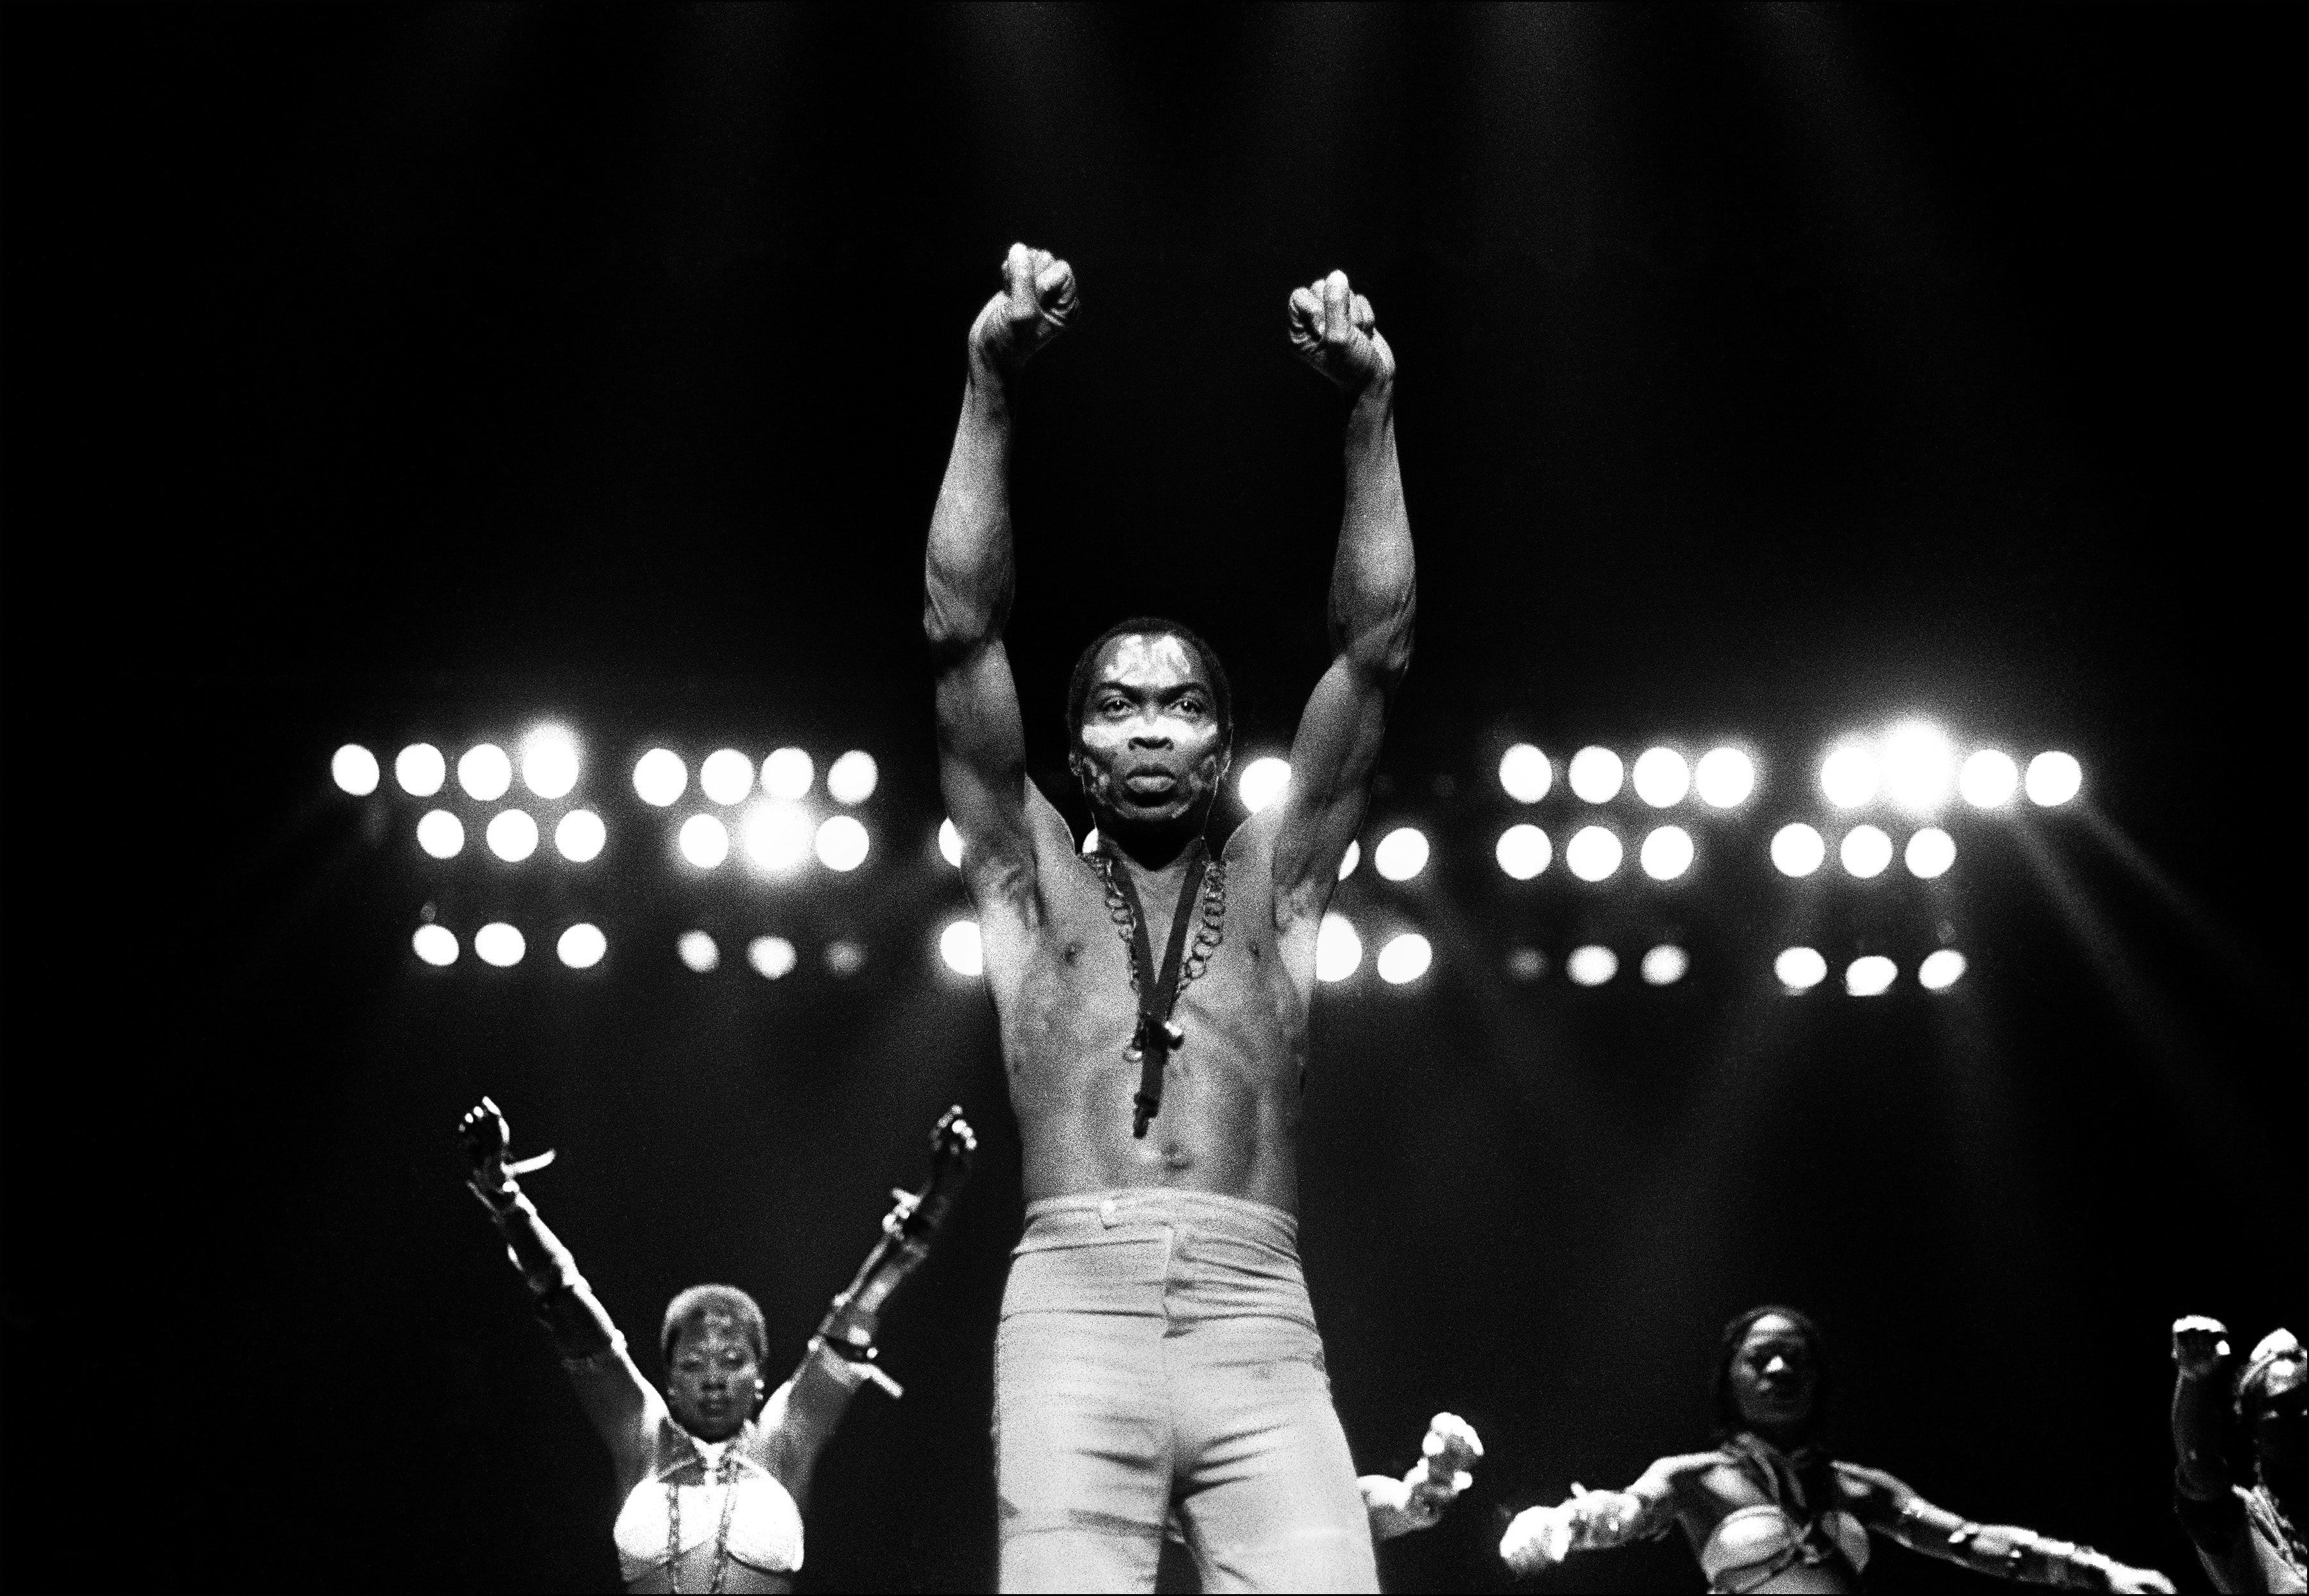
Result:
{"points": [[580, 835], [1666, 853], [726, 777], [441, 834], [1338, 950], [2054, 778], [1865, 851], [1090, 841], [1592, 853], [1848, 776], [1595, 775], [705, 842], [1919, 765], [845, 957], [500, 945], [771, 957], [1931, 851], [485, 773], [1797, 849], [1262, 782], [1661, 778], [697, 951], [949, 843], [435, 944], [842, 843], [1799, 968], [512, 835], [1592, 965], [1941, 969], [1666, 965], [354, 769], [1725, 777], [1401, 854], [850, 779], [778, 834], [787, 774], [1989, 779], [1524, 851], [582, 945], [1405, 959], [1526, 963], [548, 762], [1867, 977], [1526, 773], [420, 770], [1351, 858], [965, 954], [660, 777]]}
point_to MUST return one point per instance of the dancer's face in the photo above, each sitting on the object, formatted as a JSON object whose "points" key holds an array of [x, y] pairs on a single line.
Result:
{"points": [[1774, 1377], [1151, 752], [2280, 1421], [715, 1379]]}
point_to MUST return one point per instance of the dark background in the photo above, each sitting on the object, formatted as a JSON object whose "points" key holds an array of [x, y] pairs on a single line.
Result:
{"points": [[382, 373]]}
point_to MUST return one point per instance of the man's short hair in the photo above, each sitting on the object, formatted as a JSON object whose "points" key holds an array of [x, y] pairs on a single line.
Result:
{"points": [[726, 1300], [1149, 625]]}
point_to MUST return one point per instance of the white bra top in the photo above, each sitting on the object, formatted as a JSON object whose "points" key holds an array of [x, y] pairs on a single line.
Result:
{"points": [[1750, 1539], [765, 1525]]}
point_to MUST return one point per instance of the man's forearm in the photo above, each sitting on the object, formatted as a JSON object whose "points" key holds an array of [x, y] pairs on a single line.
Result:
{"points": [[1372, 589], [968, 575], [2200, 1469]]}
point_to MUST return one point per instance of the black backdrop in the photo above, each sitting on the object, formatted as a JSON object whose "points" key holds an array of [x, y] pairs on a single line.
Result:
{"points": [[378, 373]]}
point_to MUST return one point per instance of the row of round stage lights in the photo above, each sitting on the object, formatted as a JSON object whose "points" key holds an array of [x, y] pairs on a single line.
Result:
{"points": [[1799, 969], [776, 832], [548, 767], [581, 946]]}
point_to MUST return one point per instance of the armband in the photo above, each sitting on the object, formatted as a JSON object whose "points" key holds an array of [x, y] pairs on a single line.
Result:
{"points": [[854, 1364]]}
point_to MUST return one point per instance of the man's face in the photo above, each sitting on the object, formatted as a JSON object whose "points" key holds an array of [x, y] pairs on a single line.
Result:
{"points": [[1151, 750]]}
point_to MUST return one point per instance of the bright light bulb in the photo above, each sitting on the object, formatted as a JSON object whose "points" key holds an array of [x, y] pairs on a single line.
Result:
{"points": [[787, 774], [1524, 851], [548, 762], [660, 777], [582, 945], [580, 835], [1595, 774], [1666, 853], [1592, 853], [512, 835], [1930, 853], [697, 951], [1941, 969], [1848, 776], [1799, 968], [2054, 778], [1725, 777], [1865, 851], [1526, 773], [1989, 779], [1662, 778], [1797, 849], [420, 770], [1666, 965], [485, 773], [771, 957], [842, 843], [1401, 854], [1338, 950], [960, 947], [851, 779], [441, 834], [1262, 782], [778, 834], [1090, 841], [1919, 767], [726, 777], [1867, 977], [705, 842], [1351, 858], [1405, 959], [1592, 965], [500, 945], [435, 944], [354, 769], [949, 843]]}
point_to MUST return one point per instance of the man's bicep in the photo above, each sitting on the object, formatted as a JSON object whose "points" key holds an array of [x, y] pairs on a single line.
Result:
{"points": [[1331, 762], [982, 755]]}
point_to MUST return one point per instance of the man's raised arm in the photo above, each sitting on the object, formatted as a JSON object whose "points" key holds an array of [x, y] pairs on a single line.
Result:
{"points": [[968, 580], [1372, 596]]}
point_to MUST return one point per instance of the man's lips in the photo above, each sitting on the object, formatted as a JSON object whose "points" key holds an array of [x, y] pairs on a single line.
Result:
{"points": [[1150, 780]]}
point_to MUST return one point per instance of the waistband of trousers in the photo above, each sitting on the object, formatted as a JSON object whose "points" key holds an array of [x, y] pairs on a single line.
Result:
{"points": [[1087, 1214]]}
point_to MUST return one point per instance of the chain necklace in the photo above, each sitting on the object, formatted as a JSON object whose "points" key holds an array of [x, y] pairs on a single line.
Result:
{"points": [[724, 1473], [1156, 1037]]}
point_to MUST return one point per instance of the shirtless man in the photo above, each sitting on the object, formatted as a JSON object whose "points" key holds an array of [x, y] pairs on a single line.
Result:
{"points": [[1157, 1350]]}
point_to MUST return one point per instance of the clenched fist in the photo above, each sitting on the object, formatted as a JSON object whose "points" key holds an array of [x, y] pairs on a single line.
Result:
{"points": [[1035, 305], [1333, 330], [2199, 1345]]}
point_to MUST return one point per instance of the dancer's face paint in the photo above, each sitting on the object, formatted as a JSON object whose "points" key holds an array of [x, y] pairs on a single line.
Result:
{"points": [[714, 1379], [1773, 1376], [1151, 752]]}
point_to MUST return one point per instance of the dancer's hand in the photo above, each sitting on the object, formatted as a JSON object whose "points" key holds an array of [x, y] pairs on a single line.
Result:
{"points": [[2200, 1346], [1447, 1454], [1036, 303], [1333, 330], [486, 1135], [1538, 1538]]}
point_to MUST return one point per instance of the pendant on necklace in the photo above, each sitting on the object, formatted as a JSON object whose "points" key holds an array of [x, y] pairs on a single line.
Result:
{"points": [[1173, 1039]]}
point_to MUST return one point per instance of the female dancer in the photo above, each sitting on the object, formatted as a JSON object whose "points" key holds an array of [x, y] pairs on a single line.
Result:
{"points": [[2249, 1538], [1770, 1511], [716, 1472]]}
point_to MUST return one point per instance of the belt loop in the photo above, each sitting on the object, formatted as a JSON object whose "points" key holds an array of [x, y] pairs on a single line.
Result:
{"points": [[1110, 1214]]}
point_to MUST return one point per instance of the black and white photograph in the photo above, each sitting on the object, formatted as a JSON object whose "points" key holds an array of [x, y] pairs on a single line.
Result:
{"points": [[1129, 798]]}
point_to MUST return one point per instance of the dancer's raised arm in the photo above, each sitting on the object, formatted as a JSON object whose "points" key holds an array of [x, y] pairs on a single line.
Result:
{"points": [[1890, 1508], [1597, 1521], [968, 580], [1373, 599]]}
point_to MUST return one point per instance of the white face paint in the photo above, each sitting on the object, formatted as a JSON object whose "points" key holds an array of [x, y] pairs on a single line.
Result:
{"points": [[1151, 750]]}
